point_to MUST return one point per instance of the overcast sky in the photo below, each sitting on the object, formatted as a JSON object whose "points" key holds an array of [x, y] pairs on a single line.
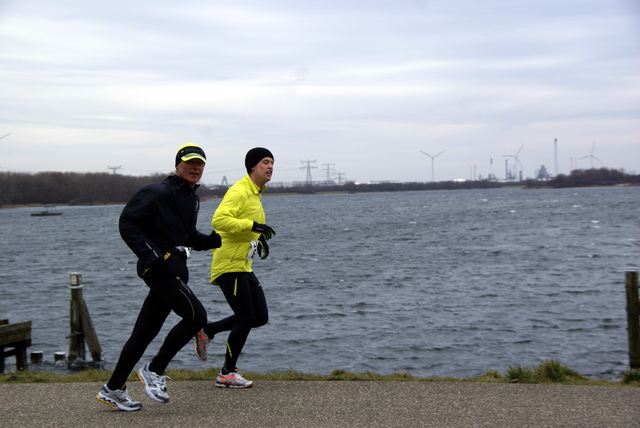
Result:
{"points": [[361, 88]]}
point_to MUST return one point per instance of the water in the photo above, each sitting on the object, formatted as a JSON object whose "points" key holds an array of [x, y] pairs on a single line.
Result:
{"points": [[443, 283]]}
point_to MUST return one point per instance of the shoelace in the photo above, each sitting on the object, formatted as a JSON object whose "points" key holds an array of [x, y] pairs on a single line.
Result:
{"points": [[235, 377], [122, 395], [160, 381]]}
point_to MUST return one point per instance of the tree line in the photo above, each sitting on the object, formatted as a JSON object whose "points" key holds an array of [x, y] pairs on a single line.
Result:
{"points": [[588, 177], [69, 188]]}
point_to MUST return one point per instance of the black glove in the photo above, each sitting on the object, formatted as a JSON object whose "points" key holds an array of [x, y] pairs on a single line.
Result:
{"points": [[214, 240], [263, 229], [159, 266], [263, 247]]}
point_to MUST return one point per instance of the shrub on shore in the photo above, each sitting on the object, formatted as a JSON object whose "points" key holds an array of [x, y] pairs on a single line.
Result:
{"points": [[550, 371]]}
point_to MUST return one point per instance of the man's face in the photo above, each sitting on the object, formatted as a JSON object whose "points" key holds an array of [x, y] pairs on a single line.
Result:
{"points": [[190, 171], [263, 171]]}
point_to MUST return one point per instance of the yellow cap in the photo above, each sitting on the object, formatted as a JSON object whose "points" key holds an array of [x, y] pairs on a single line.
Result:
{"points": [[190, 151]]}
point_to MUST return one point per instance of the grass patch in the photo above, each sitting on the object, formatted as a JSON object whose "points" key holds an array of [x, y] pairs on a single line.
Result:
{"points": [[631, 377], [549, 372]]}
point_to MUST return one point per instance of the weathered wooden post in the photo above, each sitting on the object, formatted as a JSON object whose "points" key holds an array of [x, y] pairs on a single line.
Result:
{"points": [[80, 325], [36, 357], [633, 318], [76, 336]]}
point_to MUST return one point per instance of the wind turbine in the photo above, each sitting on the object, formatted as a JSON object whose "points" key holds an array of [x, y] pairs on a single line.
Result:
{"points": [[593, 148], [517, 162], [5, 135], [433, 174]]}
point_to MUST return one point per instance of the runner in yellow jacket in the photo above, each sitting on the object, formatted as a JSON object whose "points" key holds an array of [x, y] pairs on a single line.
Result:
{"points": [[240, 208], [240, 221]]}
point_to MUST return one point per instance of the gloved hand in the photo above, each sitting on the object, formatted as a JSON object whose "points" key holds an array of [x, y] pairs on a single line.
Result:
{"points": [[214, 240], [263, 247], [159, 266], [263, 229]]}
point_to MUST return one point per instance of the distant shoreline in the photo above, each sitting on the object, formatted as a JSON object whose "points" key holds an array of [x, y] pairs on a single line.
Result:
{"points": [[365, 188]]}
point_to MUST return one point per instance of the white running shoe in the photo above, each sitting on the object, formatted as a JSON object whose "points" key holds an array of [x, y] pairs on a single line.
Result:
{"points": [[154, 384], [232, 380], [118, 398]]}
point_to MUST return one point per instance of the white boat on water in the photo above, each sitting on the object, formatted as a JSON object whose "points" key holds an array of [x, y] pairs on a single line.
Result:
{"points": [[47, 210]]}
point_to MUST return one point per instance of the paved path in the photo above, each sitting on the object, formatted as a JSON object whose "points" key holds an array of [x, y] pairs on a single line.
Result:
{"points": [[328, 404]]}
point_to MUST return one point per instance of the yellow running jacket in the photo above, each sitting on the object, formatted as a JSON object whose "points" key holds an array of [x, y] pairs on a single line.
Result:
{"points": [[233, 220]]}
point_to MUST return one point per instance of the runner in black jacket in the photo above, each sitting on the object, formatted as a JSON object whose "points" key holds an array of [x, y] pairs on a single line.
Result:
{"points": [[159, 225]]}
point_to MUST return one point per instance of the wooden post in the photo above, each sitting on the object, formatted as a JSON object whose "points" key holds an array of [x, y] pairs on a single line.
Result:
{"points": [[90, 333], [76, 336], [36, 357], [633, 318], [80, 325]]}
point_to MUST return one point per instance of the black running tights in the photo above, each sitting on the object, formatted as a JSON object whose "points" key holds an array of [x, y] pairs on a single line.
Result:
{"points": [[247, 300], [166, 294]]}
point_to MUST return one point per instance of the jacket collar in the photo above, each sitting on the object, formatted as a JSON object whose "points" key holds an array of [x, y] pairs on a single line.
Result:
{"points": [[257, 190], [179, 182]]}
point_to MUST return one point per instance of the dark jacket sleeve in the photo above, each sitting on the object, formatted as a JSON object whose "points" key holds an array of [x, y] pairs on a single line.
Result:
{"points": [[134, 222], [200, 242]]}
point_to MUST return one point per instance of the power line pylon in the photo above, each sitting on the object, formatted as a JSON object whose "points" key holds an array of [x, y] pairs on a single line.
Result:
{"points": [[114, 168], [308, 168], [330, 171]]}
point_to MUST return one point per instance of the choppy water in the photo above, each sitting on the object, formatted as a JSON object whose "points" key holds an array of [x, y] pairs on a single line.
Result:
{"points": [[444, 283]]}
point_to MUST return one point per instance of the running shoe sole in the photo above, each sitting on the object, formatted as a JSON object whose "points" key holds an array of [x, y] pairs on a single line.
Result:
{"points": [[224, 385]]}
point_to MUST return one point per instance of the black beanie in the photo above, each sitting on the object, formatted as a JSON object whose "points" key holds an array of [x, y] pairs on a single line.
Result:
{"points": [[254, 156]]}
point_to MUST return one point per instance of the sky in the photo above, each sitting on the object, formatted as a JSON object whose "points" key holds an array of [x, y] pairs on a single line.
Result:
{"points": [[365, 91]]}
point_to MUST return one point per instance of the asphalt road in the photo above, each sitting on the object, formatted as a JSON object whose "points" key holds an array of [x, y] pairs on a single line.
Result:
{"points": [[328, 404]]}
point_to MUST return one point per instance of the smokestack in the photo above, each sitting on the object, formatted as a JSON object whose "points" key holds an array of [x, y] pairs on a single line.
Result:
{"points": [[555, 156]]}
